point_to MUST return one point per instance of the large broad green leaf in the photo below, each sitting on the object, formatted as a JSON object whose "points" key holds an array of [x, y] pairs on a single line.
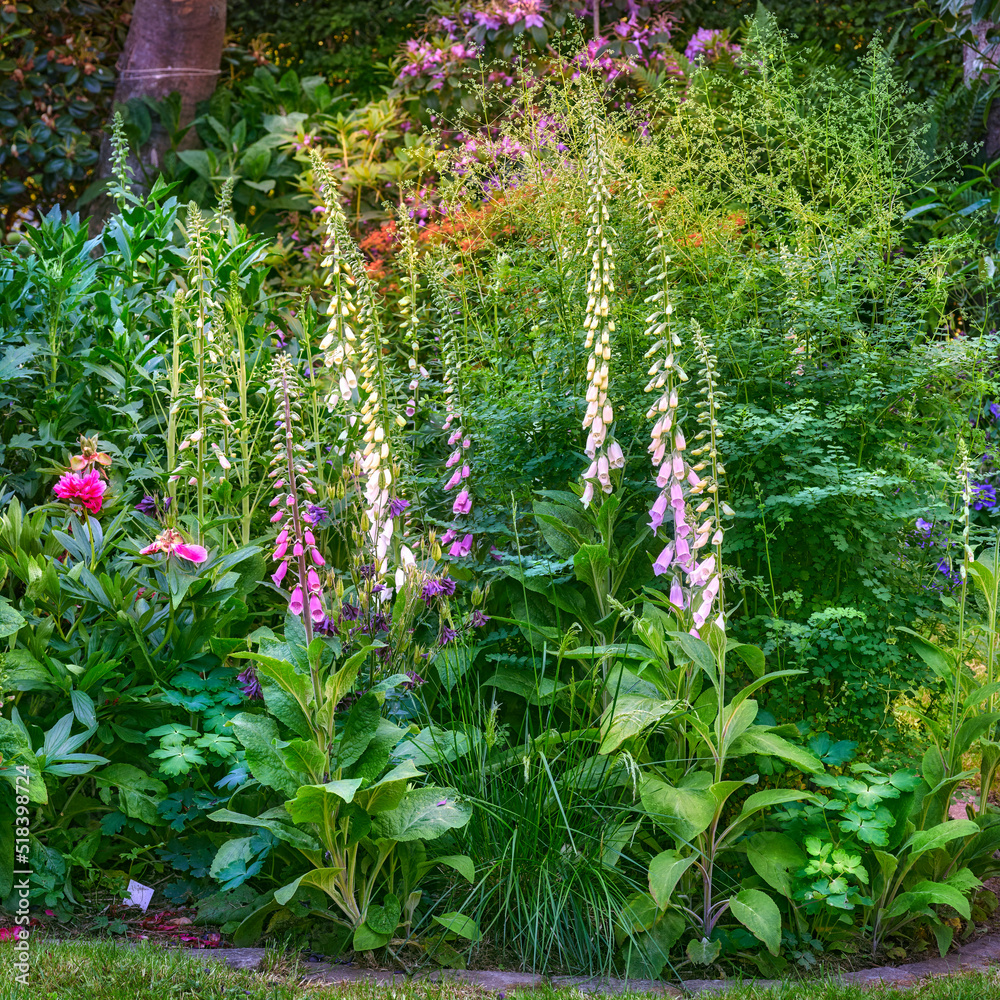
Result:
{"points": [[283, 706], [138, 792], [703, 951], [10, 620], [698, 651], [388, 792], [15, 751], [773, 797], [665, 871], [283, 831], [591, 564], [464, 865], [459, 924], [317, 803], [423, 814], [374, 760], [359, 730], [384, 918], [684, 812], [942, 663], [305, 757], [937, 836], [760, 915], [365, 939], [925, 894], [630, 715], [647, 952], [433, 745], [320, 878], [775, 857], [759, 739], [250, 929], [259, 736], [736, 719]]}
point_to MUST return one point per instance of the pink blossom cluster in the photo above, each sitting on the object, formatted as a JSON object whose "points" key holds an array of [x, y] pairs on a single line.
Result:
{"points": [[295, 547], [436, 58], [710, 45], [679, 485]]}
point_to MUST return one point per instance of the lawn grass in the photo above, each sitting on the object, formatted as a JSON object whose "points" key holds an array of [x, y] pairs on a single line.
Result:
{"points": [[100, 970]]}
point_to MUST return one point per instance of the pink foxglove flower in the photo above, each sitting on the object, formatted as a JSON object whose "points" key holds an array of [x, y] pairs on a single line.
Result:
{"points": [[461, 548], [462, 504], [87, 490], [171, 543]]}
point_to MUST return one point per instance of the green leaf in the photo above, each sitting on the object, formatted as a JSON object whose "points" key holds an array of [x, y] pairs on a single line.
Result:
{"points": [[774, 797], [760, 915], [703, 952], [759, 740], [283, 831], [942, 663], [385, 918], [775, 857], [665, 871], [388, 792], [464, 865], [365, 939], [459, 924], [630, 715], [423, 814], [11, 622], [684, 812], [373, 761], [320, 878], [318, 803], [937, 836], [359, 730], [259, 735], [175, 760]]}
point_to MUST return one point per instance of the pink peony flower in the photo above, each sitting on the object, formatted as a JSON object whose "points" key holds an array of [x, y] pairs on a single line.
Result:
{"points": [[86, 490], [172, 543]]}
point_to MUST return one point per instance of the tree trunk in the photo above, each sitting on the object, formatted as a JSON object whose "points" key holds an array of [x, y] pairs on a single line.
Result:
{"points": [[172, 45]]}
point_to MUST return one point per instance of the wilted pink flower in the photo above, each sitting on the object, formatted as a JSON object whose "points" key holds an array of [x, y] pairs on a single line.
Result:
{"points": [[172, 543], [86, 490]]}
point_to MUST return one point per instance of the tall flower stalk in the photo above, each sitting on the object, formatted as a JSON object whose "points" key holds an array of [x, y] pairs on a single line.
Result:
{"points": [[295, 547], [377, 423], [458, 464], [689, 494], [603, 451]]}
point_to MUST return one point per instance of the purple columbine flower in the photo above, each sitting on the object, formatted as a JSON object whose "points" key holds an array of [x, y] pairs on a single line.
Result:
{"points": [[147, 505], [350, 612], [414, 680], [477, 619], [432, 588], [397, 505], [249, 684], [447, 635], [317, 515], [325, 626], [150, 506]]}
